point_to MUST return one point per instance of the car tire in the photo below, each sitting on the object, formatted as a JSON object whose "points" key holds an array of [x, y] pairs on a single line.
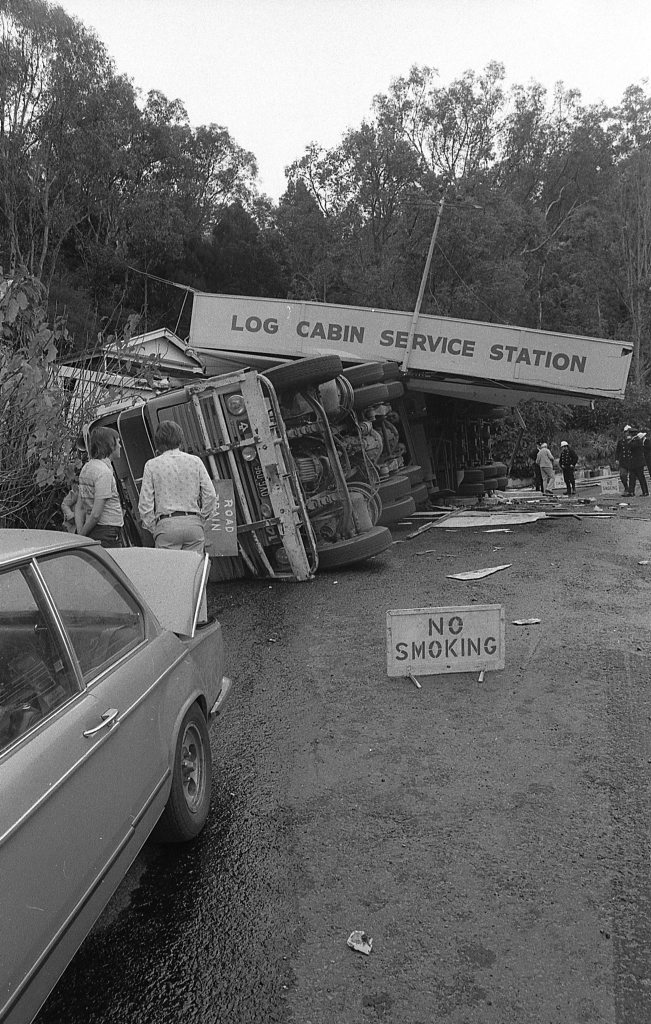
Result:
{"points": [[364, 373], [304, 372], [189, 800], [395, 389], [397, 510], [354, 549], [393, 488], [372, 394], [490, 470], [502, 483]]}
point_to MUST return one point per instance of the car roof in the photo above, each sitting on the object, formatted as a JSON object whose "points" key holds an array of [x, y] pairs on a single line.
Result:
{"points": [[17, 545]]}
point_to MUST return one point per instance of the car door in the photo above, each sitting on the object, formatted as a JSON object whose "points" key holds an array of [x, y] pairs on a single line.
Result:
{"points": [[83, 770]]}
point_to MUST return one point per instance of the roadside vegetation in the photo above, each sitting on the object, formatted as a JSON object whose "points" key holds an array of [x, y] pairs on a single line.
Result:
{"points": [[107, 195]]}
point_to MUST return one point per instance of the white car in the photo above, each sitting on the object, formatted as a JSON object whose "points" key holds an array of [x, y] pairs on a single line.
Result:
{"points": [[109, 672]]}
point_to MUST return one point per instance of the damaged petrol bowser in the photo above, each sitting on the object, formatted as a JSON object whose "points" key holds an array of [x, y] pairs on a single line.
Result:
{"points": [[294, 508]]}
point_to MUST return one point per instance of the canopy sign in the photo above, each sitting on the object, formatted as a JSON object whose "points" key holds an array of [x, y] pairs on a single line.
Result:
{"points": [[522, 357], [429, 641]]}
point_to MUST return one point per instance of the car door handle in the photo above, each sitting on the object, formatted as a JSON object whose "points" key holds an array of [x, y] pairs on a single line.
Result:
{"points": [[107, 719]]}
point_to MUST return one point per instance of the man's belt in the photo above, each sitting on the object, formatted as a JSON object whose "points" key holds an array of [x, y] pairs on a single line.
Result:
{"points": [[170, 515]]}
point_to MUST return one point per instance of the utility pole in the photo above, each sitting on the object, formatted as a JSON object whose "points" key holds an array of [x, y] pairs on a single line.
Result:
{"points": [[423, 282]]}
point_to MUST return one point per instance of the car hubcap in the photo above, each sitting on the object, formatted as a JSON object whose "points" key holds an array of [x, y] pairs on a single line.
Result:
{"points": [[192, 767]]}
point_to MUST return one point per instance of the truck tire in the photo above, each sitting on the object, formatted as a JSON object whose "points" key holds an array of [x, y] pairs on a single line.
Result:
{"points": [[414, 473], [392, 371], [304, 372], [355, 549], [502, 483], [420, 494], [472, 476], [394, 487], [372, 394], [364, 373], [397, 510], [490, 470], [395, 389], [465, 490]]}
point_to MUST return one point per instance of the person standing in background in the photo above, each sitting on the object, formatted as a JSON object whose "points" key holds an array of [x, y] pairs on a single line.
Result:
{"points": [[623, 456], [545, 460], [537, 475], [98, 512], [568, 460], [637, 463], [177, 496]]}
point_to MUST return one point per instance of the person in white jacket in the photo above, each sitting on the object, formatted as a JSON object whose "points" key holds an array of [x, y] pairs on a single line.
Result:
{"points": [[545, 460]]}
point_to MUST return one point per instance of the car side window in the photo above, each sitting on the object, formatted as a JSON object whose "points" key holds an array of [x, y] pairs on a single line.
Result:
{"points": [[35, 676], [101, 617]]}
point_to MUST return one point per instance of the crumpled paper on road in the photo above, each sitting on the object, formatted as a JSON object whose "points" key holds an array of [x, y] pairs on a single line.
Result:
{"points": [[360, 941]]}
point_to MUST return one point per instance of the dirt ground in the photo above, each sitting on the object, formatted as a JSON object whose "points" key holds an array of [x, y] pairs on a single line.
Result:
{"points": [[491, 837]]}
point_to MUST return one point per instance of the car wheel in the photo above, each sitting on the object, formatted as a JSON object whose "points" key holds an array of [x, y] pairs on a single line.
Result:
{"points": [[365, 373], [490, 470], [304, 372], [372, 394], [354, 549], [397, 510], [189, 800], [502, 483]]}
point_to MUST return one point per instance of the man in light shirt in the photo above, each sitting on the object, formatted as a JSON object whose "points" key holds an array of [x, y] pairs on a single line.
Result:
{"points": [[177, 495]]}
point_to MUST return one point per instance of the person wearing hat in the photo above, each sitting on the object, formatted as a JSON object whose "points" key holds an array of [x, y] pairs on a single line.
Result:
{"points": [[545, 460], [637, 462], [567, 461], [623, 456]]}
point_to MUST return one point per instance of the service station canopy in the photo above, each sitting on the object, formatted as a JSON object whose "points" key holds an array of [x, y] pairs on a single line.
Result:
{"points": [[468, 359]]}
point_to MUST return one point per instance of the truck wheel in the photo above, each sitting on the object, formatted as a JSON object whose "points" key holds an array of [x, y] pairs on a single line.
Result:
{"points": [[364, 373], [420, 494], [397, 510], [502, 483], [472, 476], [414, 473], [394, 487], [490, 470], [465, 490], [392, 371], [354, 549], [304, 372], [189, 800], [372, 394], [395, 389]]}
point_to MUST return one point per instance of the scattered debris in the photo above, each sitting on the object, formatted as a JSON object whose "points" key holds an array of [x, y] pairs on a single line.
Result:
{"points": [[414, 680], [498, 529], [645, 561], [526, 622], [478, 574], [481, 677], [360, 941]]}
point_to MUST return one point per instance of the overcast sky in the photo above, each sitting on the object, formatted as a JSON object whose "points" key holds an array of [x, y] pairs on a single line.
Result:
{"points": [[279, 74]]}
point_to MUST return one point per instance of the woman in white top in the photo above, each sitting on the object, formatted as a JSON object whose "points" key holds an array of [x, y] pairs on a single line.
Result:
{"points": [[98, 512]]}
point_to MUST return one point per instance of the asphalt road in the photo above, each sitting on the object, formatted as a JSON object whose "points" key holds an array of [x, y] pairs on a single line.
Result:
{"points": [[491, 837]]}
